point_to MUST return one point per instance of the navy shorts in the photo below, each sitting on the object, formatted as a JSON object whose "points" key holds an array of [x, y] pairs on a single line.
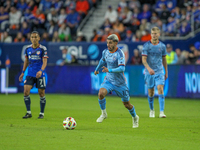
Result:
{"points": [[40, 82]]}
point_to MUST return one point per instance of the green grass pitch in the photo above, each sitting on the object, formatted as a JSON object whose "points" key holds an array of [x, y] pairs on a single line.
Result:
{"points": [[179, 131]]}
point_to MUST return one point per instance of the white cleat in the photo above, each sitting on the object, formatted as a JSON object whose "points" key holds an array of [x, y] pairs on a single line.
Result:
{"points": [[152, 114], [162, 115], [102, 117], [136, 121]]}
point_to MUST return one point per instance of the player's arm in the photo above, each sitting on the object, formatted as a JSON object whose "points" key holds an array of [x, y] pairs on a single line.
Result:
{"points": [[164, 60], [144, 61], [101, 64], [26, 62], [39, 73], [115, 70]]}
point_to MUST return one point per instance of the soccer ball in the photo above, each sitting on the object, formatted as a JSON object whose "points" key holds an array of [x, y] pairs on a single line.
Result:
{"points": [[69, 123]]}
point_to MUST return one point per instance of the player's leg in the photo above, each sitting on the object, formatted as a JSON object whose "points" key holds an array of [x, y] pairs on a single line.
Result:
{"points": [[160, 81], [41, 85], [28, 84], [151, 102], [161, 99], [105, 88], [123, 92], [150, 81]]}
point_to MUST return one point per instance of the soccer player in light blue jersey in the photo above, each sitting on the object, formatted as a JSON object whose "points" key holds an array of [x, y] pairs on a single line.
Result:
{"points": [[154, 58], [36, 61], [115, 79]]}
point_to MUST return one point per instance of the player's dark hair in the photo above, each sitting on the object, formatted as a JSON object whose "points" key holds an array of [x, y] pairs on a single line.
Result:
{"points": [[113, 37], [35, 33]]}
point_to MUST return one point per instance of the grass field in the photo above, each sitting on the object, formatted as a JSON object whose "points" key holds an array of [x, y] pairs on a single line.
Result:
{"points": [[179, 131]]}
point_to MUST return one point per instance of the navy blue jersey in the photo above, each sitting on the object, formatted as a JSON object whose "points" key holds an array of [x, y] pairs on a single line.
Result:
{"points": [[154, 55], [35, 56]]}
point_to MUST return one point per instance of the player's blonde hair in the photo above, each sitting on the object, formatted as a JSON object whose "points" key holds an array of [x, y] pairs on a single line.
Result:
{"points": [[155, 29], [113, 37]]}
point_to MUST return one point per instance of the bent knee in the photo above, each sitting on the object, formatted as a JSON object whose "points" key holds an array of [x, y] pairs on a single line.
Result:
{"points": [[128, 106], [101, 95]]}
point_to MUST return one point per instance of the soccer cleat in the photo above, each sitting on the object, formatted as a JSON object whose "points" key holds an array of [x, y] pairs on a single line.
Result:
{"points": [[27, 116], [102, 117], [136, 121], [162, 115], [41, 116], [152, 114]]}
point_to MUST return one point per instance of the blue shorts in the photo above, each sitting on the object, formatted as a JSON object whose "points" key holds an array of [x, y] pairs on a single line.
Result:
{"points": [[121, 91], [40, 82], [154, 80]]}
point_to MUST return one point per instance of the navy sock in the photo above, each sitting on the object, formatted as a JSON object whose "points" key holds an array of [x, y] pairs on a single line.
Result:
{"points": [[42, 104], [161, 99], [151, 102], [132, 112], [27, 102], [102, 104]]}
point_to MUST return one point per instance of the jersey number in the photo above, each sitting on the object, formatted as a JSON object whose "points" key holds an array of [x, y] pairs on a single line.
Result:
{"points": [[40, 80]]}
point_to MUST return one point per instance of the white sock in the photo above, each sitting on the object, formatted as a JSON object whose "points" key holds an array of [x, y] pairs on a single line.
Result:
{"points": [[104, 111], [42, 114], [29, 112]]}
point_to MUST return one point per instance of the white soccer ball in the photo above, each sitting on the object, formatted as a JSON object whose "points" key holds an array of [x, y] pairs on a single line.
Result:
{"points": [[69, 123]]}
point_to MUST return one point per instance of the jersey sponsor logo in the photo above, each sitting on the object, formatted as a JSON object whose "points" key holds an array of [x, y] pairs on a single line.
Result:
{"points": [[38, 52]]}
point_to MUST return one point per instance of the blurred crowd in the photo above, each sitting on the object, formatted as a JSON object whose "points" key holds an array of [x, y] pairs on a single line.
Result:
{"points": [[133, 19], [55, 20]]}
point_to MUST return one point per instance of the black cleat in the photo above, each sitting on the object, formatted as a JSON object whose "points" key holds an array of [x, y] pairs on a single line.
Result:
{"points": [[41, 116], [27, 116]]}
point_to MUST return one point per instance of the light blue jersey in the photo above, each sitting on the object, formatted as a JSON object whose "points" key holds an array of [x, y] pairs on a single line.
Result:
{"points": [[154, 55], [114, 60]]}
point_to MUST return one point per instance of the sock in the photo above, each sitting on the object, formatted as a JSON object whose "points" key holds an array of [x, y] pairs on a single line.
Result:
{"points": [[151, 102], [27, 102], [161, 99], [132, 112], [102, 104], [42, 104]]}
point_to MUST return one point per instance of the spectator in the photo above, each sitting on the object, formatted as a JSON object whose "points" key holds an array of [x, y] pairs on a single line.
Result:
{"points": [[94, 35], [159, 5], [39, 20], [136, 59], [98, 36], [6, 37], [144, 25], [55, 37], [118, 27], [171, 55], [164, 14], [25, 29], [52, 15], [197, 45], [127, 15], [105, 35], [135, 25], [135, 13], [52, 28], [106, 24], [7, 6], [185, 28], [80, 37], [82, 7], [64, 33], [4, 17], [170, 27], [45, 37], [22, 5], [28, 16], [45, 5], [122, 4], [176, 13], [66, 57], [14, 18], [137, 36], [134, 4], [129, 36], [193, 54], [182, 56], [72, 21], [146, 36], [62, 17], [19, 38], [111, 15], [57, 5], [145, 14]]}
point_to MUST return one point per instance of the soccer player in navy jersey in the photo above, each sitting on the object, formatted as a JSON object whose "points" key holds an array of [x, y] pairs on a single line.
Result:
{"points": [[154, 58], [115, 79], [36, 61]]}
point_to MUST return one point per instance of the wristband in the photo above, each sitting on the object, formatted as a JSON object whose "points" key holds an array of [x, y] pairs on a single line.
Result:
{"points": [[41, 70], [109, 70], [23, 71]]}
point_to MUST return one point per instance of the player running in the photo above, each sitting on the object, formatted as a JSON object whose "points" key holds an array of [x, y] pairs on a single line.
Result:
{"points": [[36, 61], [153, 58], [115, 79]]}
